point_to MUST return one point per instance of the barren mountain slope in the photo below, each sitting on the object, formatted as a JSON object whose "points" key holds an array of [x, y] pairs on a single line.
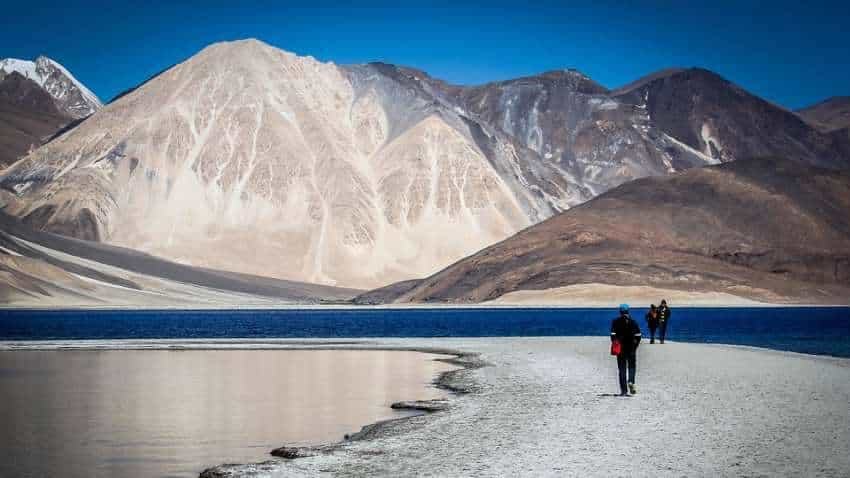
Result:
{"points": [[28, 115], [570, 124], [71, 97], [828, 115], [251, 159], [723, 121], [774, 230], [47, 270]]}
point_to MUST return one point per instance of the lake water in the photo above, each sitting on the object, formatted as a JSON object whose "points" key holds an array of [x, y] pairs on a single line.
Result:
{"points": [[174, 413], [815, 330]]}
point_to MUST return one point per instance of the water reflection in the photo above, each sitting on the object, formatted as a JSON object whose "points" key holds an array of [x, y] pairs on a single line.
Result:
{"points": [[174, 413]]}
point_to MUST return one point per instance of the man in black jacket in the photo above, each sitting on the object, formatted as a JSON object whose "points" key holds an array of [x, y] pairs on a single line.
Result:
{"points": [[627, 332], [663, 319]]}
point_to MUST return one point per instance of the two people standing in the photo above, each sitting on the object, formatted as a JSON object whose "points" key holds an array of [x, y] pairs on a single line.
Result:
{"points": [[657, 318], [626, 337]]}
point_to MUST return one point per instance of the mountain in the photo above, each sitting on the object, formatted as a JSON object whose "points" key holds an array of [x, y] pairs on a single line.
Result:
{"points": [[72, 97], [250, 159], [28, 115], [38, 100], [723, 121], [572, 124], [828, 115], [764, 229]]}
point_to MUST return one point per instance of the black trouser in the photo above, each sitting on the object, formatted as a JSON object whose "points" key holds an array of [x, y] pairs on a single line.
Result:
{"points": [[626, 359], [663, 331], [652, 335]]}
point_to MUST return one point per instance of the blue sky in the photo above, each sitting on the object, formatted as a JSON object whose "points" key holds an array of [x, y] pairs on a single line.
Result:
{"points": [[792, 53]]}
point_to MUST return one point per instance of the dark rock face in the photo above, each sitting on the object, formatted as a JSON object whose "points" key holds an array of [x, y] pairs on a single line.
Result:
{"points": [[720, 119], [428, 406], [28, 116], [265, 468], [767, 229], [293, 452]]}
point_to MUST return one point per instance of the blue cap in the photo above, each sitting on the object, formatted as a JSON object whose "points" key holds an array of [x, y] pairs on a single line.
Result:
{"points": [[624, 307]]}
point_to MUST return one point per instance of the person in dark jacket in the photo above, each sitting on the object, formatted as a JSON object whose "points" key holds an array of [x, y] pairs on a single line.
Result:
{"points": [[663, 320], [652, 322], [627, 332]]}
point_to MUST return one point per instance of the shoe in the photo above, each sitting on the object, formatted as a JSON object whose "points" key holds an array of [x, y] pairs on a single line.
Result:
{"points": [[632, 388], [624, 394]]}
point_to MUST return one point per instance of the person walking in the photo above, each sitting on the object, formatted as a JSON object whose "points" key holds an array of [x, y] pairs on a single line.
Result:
{"points": [[627, 332], [652, 322], [663, 320]]}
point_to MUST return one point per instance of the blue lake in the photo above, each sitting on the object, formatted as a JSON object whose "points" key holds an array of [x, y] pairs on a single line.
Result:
{"points": [[815, 330]]}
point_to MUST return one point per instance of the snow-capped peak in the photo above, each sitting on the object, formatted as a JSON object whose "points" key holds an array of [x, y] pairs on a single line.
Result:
{"points": [[24, 67], [70, 95], [87, 93]]}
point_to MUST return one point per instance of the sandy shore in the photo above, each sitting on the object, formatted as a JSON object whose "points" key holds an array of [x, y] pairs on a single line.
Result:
{"points": [[544, 407], [599, 295]]}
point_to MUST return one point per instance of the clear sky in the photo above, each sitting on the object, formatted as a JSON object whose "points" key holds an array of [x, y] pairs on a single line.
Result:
{"points": [[792, 53]]}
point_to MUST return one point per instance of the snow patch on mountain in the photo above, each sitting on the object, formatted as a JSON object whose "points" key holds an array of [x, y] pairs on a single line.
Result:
{"points": [[71, 95]]}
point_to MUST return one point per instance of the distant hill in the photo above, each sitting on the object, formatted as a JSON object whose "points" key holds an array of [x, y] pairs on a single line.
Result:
{"points": [[829, 115], [765, 229]]}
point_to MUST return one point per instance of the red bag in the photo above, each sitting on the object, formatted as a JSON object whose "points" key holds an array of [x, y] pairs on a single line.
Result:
{"points": [[616, 347]]}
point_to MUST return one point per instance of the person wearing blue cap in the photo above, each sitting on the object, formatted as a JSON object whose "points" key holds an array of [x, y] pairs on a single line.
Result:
{"points": [[627, 332]]}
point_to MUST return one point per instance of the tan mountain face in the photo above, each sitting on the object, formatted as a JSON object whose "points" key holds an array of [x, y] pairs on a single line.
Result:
{"points": [[250, 159]]}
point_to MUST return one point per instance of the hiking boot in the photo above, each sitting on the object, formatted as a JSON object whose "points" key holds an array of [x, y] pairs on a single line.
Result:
{"points": [[632, 388]]}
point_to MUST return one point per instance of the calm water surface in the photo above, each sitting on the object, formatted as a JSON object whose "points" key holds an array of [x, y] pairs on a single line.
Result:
{"points": [[814, 330], [174, 413]]}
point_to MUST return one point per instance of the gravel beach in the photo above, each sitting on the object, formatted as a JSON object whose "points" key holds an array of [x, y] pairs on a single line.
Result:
{"points": [[547, 407]]}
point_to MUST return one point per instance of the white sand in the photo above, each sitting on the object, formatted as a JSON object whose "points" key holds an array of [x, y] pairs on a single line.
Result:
{"points": [[543, 409]]}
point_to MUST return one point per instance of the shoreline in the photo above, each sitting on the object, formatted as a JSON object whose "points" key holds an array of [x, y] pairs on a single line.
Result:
{"points": [[329, 343], [485, 413], [398, 429], [452, 381], [423, 306]]}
